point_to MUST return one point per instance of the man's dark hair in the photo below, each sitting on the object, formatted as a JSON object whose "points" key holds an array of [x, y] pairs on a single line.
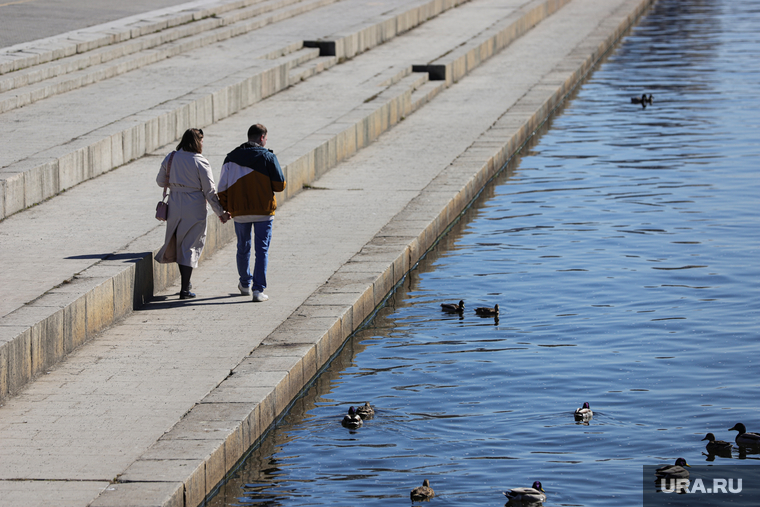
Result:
{"points": [[256, 131]]}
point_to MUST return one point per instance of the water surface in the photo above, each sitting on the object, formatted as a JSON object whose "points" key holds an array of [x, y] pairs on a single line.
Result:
{"points": [[622, 247]]}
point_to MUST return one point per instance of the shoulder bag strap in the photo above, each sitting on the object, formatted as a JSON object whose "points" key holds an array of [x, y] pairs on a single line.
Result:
{"points": [[168, 172]]}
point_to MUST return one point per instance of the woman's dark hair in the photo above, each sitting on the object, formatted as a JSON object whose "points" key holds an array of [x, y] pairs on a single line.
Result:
{"points": [[191, 141]]}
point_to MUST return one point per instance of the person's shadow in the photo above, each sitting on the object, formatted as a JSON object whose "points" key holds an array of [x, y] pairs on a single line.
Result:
{"points": [[167, 302], [127, 257]]}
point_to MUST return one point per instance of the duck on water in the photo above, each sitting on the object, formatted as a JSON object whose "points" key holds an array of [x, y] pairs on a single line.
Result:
{"points": [[717, 446], [643, 100], [485, 311], [676, 471], [535, 494], [365, 411], [584, 413], [745, 438], [351, 420], [453, 308], [422, 493]]}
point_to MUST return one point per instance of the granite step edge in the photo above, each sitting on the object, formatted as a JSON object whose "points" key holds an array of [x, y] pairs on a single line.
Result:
{"points": [[69, 76], [132, 28]]}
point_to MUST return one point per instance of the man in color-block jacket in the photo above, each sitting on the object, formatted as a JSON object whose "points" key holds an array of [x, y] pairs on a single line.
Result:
{"points": [[250, 176]]}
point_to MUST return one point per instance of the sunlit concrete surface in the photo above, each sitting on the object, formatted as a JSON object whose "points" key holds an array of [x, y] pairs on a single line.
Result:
{"points": [[108, 401]]}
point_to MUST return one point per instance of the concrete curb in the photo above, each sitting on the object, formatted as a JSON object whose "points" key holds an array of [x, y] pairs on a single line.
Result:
{"points": [[239, 411], [40, 177]]}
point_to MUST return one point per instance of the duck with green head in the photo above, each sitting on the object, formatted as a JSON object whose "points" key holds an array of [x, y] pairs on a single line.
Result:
{"points": [[527, 495], [676, 471], [584, 413], [351, 420]]}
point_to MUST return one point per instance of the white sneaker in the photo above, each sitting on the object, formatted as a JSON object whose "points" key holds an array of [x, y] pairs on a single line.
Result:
{"points": [[259, 296], [245, 291]]}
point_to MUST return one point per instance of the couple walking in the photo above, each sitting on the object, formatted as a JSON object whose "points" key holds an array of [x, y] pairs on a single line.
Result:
{"points": [[250, 176]]}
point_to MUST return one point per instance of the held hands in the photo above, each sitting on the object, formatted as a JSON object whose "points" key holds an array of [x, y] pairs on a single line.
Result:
{"points": [[225, 217]]}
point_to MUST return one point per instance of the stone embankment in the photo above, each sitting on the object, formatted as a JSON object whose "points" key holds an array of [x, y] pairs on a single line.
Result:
{"points": [[388, 118]]}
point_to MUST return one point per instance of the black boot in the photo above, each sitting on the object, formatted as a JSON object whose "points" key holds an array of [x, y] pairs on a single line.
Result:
{"points": [[185, 273]]}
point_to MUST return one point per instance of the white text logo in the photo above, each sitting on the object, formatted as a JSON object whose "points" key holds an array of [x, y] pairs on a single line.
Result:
{"points": [[718, 486]]}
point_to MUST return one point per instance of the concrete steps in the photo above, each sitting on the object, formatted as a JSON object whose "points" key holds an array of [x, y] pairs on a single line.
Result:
{"points": [[81, 49], [59, 311], [34, 174], [310, 67], [42, 81]]}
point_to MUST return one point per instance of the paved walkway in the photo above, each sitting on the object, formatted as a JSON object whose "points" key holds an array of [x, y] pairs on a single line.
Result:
{"points": [[27, 20], [76, 294], [148, 412], [133, 96], [294, 118]]}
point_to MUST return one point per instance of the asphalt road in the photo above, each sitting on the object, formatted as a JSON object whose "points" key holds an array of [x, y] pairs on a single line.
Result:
{"points": [[28, 20]]}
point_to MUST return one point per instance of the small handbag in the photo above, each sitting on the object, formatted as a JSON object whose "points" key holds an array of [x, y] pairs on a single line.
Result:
{"points": [[162, 208]]}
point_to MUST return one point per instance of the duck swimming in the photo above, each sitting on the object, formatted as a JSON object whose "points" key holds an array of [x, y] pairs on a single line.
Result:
{"points": [[365, 411], [534, 494], [484, 311], [643, 100], [676, 471], [745, 438], [584, 412], [716, 446], [352, 419], [452, 308], [422, 493]]}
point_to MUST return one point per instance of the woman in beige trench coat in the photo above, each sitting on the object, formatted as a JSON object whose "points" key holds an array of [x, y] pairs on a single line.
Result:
{"points": [[191, 185]]}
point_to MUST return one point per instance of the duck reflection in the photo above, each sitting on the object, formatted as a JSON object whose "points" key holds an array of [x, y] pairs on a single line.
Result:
{"points": [[672, 485], [744, 453], [523, 503], [710, 456]]}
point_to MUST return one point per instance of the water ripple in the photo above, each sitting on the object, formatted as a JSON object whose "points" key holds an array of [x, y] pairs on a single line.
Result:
{"points": [[621, 246]]}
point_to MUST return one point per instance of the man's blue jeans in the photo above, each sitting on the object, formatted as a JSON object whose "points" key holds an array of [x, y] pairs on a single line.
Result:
{"points": [[262, 234]]}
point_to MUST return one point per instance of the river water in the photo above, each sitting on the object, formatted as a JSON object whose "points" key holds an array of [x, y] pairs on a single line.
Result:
{"points": [[622, 247]]}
